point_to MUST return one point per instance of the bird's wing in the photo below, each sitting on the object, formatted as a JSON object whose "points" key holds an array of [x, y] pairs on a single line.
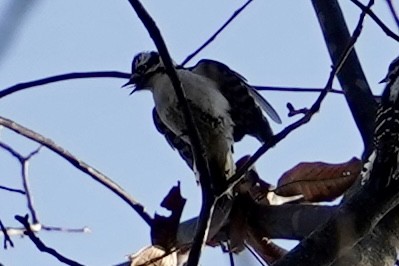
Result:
{"points": [[245, 102], [174, 141]]}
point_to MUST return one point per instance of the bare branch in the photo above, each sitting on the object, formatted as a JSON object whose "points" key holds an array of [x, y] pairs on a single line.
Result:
{"points": [[66, 230], [24, 161], [18, 231], [12, 18], [259, 260], [75, 75], [20, 191], [213, 37], [307, 117], [208, 198], [7, 238], [40, 245], [393, 12], [79, 164], [377, 20], [353, 219], [352, 78], [123, 75], [292, 111], [294, 89]]}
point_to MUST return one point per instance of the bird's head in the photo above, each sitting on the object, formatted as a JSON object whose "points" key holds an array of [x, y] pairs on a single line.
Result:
{"points": [[144, 66], [393, 71]]}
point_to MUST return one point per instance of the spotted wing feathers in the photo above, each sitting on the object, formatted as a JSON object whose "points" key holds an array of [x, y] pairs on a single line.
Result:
{"points": [[244, 101]]}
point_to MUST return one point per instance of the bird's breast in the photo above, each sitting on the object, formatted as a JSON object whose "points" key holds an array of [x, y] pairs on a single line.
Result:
{"points": [[209, 107]]}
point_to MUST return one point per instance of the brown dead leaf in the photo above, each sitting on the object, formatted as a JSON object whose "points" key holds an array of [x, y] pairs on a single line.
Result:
{"points": [[265, 248], [164, 229], [153, 256], [318, 181]]}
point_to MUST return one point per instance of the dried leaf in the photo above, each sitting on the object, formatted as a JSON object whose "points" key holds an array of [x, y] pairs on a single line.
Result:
{"points": [[153, 256], [318, 181], [265, 248], [164, 229]]}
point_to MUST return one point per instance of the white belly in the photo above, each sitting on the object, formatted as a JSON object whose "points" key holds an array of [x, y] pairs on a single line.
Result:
{"points": [[209, 107]]}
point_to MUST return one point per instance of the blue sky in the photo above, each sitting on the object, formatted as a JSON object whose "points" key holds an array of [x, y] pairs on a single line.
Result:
{"points": [[274, 43]]}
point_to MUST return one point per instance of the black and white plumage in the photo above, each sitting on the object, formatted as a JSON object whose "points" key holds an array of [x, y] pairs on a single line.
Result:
{"points": [[225, 109], [385, 156]]}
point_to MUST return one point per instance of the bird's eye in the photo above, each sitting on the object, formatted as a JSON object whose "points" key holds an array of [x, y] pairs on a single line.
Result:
{"points": [[141, 68]]}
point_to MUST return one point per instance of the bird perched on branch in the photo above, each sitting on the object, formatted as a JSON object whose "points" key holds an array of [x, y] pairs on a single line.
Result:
{"points": [[385, 157], [224, 108]]}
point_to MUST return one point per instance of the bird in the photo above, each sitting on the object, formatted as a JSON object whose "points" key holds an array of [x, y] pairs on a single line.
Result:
{"points": [[224, 106], [385, 156]]}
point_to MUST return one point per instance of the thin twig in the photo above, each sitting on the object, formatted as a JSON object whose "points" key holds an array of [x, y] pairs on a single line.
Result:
{"points": [[208, 198], [292, 111], [293, 89], [79, 164], [20, 191], [76, 75], [40, 245], [19, 231], [66, 230], [213, 37], [254, 254], [393, 12], [237, 177], [377, 20], [231, 256], [123, 75], [24, 161], [7, 238]]}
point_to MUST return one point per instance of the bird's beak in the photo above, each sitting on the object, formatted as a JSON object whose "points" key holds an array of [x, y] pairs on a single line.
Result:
{"points": [[384, 80], [132, 81]]}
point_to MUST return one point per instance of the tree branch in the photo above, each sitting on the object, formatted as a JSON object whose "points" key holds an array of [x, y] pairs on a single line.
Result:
{"points": [[336, 69], [213, 37], [79, 164], [24, 161], [7, 238], [353, 81], [40, 245], [377, 20], [13, 190], [208, 199], [393, 12], [75, 75]]}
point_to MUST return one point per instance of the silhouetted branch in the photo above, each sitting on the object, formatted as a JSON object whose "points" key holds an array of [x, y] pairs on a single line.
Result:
{"points": [[256, 256], [307, 117], [66, 230], [24, 161], [79, 164], [7, 238], [294, 89], [212, 38], [116, 74], [352, 79], [12, 17], [334, 238], [13, 190], [208, 199], [377, 20], [292, 111], [393, 12], [75, 75], [40, 245]]}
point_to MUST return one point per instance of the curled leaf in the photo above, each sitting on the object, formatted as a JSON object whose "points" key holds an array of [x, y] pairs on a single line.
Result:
{"points": [[318, 181], [153, 256]]}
